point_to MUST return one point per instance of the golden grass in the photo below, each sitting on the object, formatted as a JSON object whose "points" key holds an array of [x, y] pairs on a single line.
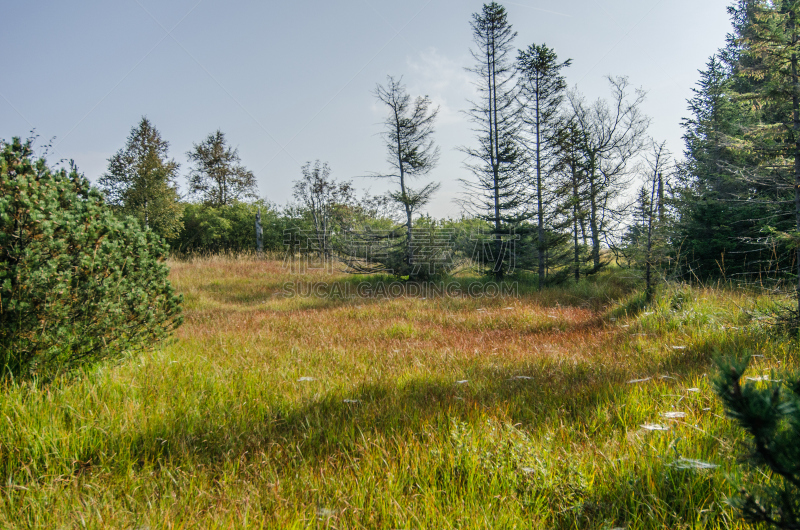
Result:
{"points": [[449, 412]]}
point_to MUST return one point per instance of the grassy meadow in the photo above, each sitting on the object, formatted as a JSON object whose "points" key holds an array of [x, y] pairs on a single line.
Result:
{"points": [[575, 407]]}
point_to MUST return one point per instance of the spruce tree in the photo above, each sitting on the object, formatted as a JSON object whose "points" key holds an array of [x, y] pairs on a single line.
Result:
{"points": [[772, 42], [412, 154], [710, 216], [572, 192], [498, 195], [542, 88], [738, 199], [732, 190], [770, 414]]}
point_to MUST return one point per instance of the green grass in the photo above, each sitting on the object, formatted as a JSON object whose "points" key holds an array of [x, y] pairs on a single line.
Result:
{"points": [[450, 412]]}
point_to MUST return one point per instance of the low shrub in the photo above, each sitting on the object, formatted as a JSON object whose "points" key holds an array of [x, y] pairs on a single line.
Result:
{"points": [[77, 285]]}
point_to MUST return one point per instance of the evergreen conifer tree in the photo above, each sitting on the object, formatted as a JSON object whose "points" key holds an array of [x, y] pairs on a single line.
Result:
{"points": [[77, 284], [499, 194], [734, 188], [572, 192], [542, 88], [411, 154], [772, 42]]}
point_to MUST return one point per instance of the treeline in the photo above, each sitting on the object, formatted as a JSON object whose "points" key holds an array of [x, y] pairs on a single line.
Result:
{"points": [[556, 184], [736, 191], [219, 209], [548, 174]]}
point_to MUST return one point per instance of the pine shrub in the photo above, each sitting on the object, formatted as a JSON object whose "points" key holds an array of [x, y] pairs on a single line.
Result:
{"points": [[77, 285], [768, 409]]}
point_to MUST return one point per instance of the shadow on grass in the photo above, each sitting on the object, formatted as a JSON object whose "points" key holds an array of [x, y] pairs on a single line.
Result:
{"points": [[631, 307], [336, 423], [339, 426]]}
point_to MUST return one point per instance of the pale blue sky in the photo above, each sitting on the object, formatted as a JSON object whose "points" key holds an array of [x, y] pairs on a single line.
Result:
{"points": [[292, 81]]}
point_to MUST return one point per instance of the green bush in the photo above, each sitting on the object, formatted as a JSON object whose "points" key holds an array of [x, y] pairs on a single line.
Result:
{"points": [[228, 228], [77, 285]]}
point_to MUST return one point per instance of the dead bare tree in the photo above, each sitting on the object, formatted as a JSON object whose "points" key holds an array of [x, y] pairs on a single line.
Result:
{"points": [[411, 153], [614, 134], [322, 196]]}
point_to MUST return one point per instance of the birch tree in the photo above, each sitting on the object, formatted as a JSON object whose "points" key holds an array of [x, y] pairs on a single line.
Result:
{"points": [[323, 198], [218, 178]]}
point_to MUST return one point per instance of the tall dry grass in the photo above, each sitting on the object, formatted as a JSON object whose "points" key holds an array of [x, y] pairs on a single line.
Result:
{"points": [[444, 412]]}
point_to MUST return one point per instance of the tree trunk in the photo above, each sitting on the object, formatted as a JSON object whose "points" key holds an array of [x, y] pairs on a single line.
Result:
{"points": [[577, 248], [796, 130], [494, 140], [575, 210], [582, 222], [656, 192], [259, 233], [400, 164], [648, 279], [594, 228], [541, 245]]}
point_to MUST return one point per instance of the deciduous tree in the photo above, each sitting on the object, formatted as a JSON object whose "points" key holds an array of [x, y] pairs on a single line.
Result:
{"points": [[324, 200], [613, 134], [217, 176], [645, 240], [140, 181]]}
